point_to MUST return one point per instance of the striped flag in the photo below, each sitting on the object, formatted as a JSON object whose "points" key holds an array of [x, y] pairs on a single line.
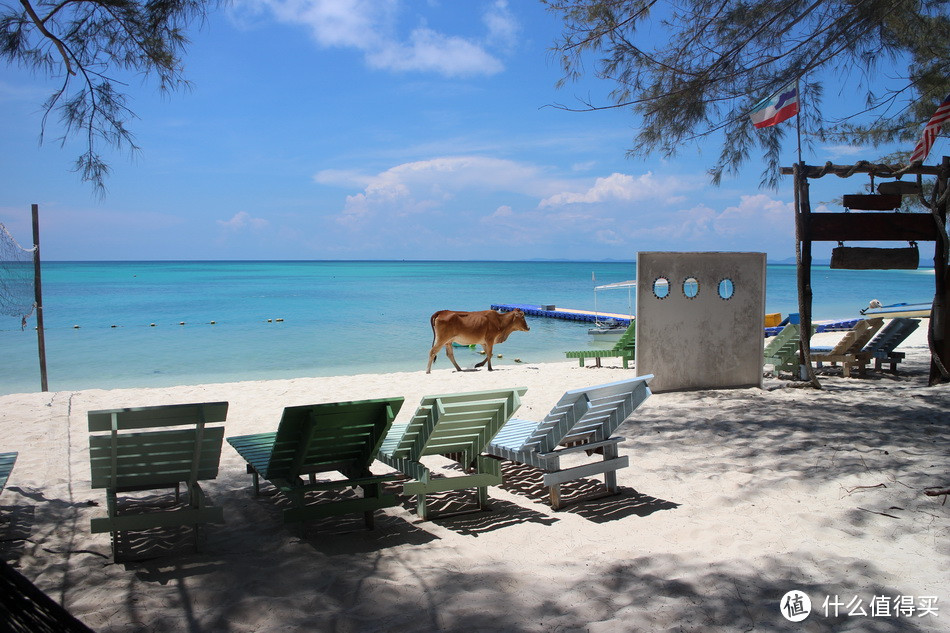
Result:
{"points": [[772, 111], [931, 130]]}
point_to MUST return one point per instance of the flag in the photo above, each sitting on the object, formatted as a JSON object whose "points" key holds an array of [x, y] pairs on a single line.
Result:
{"points": [[775, 109], [931, 130]]}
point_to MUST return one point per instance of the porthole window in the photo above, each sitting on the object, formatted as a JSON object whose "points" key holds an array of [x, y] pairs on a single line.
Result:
{"points": [[726, 289], [661, 287], [690, 287]]}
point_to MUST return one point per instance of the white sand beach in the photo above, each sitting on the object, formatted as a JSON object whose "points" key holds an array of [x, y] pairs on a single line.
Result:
{"points": [[732, 499]]}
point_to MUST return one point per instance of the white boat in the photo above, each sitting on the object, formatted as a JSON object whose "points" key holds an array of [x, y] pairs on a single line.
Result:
{"points": [[608, 330], [609, 327], [899, 310]]}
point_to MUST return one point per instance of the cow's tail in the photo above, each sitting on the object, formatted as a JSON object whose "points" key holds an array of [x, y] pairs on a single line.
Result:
{"points": [[432, 323]]}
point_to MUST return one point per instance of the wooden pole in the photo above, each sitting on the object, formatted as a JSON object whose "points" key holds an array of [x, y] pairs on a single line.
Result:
{"points": [[939, 321], [38, 294], [803, 260]]}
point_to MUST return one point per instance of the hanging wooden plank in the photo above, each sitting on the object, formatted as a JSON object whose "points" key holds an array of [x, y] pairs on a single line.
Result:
{"points": [[899, 187], [871, 201], [853, 227], [866, 258]]}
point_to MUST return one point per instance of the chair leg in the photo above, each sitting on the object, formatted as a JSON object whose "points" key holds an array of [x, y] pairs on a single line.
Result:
{"points": [[421, 509], [369, 518], [610, 478], [482, 497], [555, 492]]}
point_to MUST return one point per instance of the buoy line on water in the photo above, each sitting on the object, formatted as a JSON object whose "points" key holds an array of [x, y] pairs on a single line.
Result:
{"points": [[115, 326]]}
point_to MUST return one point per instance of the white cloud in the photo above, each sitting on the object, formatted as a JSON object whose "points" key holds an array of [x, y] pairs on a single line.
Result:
{"points": [[428, 51], [621, 187], [503, 28], [425, 186], [370, 26], [243, 220], [844, 150], [342, 178]]}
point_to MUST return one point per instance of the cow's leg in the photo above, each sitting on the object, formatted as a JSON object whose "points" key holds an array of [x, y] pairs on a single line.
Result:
{"points": [[488, 352], [432, 354], [451, 354]]}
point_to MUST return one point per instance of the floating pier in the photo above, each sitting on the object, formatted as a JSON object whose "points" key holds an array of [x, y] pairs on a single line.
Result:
{"points": [[570, 314], [567, 314]]}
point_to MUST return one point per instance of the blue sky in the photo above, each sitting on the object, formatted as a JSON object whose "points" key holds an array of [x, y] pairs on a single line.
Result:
{"points": [[324, 129]]}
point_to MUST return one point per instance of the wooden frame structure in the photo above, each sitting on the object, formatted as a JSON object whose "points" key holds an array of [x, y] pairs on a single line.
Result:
{"points": [[879, 226]]}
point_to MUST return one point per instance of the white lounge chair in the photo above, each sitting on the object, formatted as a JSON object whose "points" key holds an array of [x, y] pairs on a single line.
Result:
{"points": [[582, 420]]}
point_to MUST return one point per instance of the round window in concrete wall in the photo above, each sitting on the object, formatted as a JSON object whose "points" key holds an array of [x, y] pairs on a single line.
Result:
{"points": [[690, 287], [726, 289], [661, 288]]}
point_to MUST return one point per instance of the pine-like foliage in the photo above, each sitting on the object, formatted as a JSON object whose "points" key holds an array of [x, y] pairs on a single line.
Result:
{"points": [[85, 45], [694, 68]]}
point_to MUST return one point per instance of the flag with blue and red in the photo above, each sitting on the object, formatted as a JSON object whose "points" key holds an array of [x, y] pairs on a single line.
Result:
{"points": [[772, 111]]}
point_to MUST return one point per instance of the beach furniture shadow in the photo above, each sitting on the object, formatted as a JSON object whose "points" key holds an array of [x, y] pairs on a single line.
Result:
{"points": [[16, 525], [458, 426], [849, 350], [582, 422], [625, 349], [155, 448], [24, 607], [338, 441], [598, 505], [504, 514]]}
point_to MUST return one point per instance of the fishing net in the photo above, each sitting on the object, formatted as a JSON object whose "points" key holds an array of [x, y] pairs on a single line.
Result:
{"points": [[17, 296]]}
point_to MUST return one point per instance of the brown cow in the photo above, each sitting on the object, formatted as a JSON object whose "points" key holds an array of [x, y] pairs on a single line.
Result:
{"points": [[485, 327]]}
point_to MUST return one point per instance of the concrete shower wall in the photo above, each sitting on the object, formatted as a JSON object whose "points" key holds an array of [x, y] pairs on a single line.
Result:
{"points": [[704, 342]]}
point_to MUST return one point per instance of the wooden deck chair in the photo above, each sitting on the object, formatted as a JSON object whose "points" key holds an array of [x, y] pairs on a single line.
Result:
{"points": [[150, 448], [6, 465], [625, 349], [848, 350], [458, 426], [881, 348], [335, 437], [782, 350], [582, 420]]}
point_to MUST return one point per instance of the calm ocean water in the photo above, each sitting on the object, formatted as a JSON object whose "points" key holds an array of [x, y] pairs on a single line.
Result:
{"points": [[294, 319]]}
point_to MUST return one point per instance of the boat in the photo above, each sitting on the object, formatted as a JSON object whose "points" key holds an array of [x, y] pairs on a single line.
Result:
{"points": [[895, 310], [608, 330], [610, 327]]}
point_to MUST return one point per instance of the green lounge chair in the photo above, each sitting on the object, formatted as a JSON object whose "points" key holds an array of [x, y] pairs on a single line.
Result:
{"points": [[625, 349], [6, 465], [881, 348], [150, 448], [848, 349], [782, 350], [323, 438], [458, 426], [582, 420]]}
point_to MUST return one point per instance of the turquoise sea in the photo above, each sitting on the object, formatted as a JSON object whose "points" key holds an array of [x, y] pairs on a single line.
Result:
{"points": [[287, 319]]}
